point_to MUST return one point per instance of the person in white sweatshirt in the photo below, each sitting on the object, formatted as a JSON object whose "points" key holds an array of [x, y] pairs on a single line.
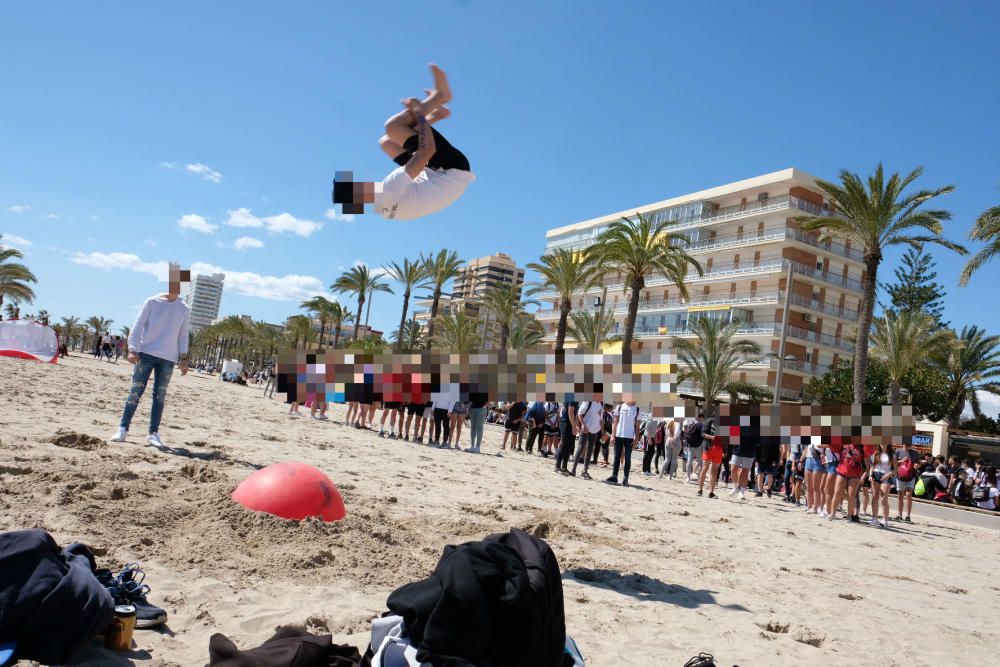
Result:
{"points": [[158, 341]]}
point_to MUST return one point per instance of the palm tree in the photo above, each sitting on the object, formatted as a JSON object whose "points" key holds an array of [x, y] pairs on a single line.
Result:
{"points": [[13, 310], [43, 317], [70, 328], [359, 281], [319, 306], [504, 302], [126, 331], [711, 359], [987, 229], [300, 327], [370, 345], [99, 325], [339, 316], [441, 268], [458, 333], [14, 277], [874, 218], [566, 273], [526, 333], [411, 275], [407, 338], [971, 365], [901, 341], [592, 331], [639, 249]]}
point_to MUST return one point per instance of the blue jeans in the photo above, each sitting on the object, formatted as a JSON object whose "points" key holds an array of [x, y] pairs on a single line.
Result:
{"points": [[162, 370], [622, 446], [477, 416]]}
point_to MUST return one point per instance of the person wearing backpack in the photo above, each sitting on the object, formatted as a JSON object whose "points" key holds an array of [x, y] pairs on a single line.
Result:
{"points": [[906, 479], [589, 422], [850, 469], [695, 444], [985, 495]]}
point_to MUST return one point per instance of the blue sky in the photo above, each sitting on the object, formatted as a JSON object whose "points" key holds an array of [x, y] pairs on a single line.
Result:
{"points": [[132, 133]]}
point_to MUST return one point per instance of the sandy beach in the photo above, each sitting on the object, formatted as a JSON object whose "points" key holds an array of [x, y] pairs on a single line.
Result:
{"points": [[652, 574]]}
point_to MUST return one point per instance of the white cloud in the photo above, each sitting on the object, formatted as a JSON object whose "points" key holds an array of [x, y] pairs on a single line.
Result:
{"points": [[244, 242], [12, 241], [279, 288], [196, 223], [19, 208], [109, 261], [149, 243], [331, 214], [291, 287], [988, 403], [52, 216], [274, 224], [168, 165], [204, 171]]}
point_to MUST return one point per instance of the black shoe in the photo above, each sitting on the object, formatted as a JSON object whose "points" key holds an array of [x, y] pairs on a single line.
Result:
{"points": [[127, 588], [699, 492], [624, 482], [855, 519], [758, 494], [611, 480], [712, 495], [907, 519], [769, 494], [381, 434], [586, 475]]}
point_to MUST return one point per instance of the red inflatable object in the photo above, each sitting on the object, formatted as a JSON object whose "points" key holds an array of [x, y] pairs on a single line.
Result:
{"points": [[292, 491]]}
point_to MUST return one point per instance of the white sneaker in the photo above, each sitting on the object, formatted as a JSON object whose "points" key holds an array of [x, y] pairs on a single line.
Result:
{"points": [[873, 521], [821, 513], [323, 418], [831, 517], [743, 495], [734, 491], [294, 414], [154, 439], [119, 435]]}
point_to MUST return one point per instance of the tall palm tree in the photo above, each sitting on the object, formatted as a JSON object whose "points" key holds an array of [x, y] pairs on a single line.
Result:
{"points": [[902, 340], [592, 331], [300, 328], [441, 268], [13, 310], [43, 317], [410, 275], [874, 218], [99, 325], [712, 358], [319, 306], [339, 316], [408, 337], [457, 333], [70, 328], [526, 333], [504, 303], [359, 281], [126, 331], [971, 365], [566, 272], [639, 249], [370, 345], [14, 276], [986, 229]]}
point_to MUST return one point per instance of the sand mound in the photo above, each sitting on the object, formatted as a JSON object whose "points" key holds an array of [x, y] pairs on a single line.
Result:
{"points": [[73, 440]]}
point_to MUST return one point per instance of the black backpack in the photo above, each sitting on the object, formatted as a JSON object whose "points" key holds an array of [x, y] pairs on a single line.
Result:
{"points": [[981, 494]]}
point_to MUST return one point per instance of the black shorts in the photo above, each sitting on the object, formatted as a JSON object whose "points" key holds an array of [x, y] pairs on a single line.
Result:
{"points": [[767, 458], [414, 409], [391, 405], [445, 155]]}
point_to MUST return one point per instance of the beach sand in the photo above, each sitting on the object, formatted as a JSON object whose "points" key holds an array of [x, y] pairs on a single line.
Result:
{"points": [[651, 574]]}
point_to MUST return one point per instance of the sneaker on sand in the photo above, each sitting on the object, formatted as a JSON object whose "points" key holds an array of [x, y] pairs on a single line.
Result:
{"points": [[713, 496], [154, 439], [119, 435], [734, 491], [743, 495], [586, 475], [127, 587], [323, 418], [611, 480]]}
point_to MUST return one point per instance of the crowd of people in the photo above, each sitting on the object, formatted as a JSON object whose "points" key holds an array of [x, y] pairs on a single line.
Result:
{"points": [[821, 479], [107, 346]]}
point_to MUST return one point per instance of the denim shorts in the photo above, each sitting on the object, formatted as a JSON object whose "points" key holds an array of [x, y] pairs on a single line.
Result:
{"points": [[831, 468], [812, 465], [905, 486], [741, 461]]}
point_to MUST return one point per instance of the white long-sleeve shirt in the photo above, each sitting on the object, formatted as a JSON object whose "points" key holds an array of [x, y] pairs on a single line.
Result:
{"points": [[161, 329]]}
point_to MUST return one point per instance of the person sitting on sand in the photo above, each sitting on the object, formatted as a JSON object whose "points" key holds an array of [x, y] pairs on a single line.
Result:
{"points": [[432, 174], [158, 341]]}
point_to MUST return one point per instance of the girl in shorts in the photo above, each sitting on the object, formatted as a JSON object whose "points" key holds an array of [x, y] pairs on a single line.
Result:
{"points": [[551, 428], [847, 476], [828, 479], [882, 472], [457, 417]]}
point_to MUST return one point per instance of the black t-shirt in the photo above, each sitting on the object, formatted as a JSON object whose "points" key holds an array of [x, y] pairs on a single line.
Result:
{"points": [[693, 436], [564, 416], [747, 446], [477, 400], [516, 411]]}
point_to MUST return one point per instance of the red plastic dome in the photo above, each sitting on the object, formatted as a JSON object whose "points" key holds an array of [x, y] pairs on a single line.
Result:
{"points": [[292, 491]]}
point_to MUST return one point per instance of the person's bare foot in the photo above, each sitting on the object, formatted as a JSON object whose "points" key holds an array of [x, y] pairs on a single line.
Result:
{"points": [[441, 83]]}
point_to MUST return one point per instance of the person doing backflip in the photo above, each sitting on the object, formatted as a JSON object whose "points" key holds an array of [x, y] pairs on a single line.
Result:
{"points": [[432, 174]]}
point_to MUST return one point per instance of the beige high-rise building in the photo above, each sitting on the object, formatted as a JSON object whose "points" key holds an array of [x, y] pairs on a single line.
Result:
{"points": [[756, 260], [471, 284], [203, 296]]}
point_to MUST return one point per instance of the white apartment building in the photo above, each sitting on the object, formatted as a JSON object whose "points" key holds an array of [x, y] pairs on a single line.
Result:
{"points": [[756, 260], [203, 295]]}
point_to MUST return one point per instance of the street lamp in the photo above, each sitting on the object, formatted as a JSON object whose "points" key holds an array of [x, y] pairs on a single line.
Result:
{"points": [[776, 398]]}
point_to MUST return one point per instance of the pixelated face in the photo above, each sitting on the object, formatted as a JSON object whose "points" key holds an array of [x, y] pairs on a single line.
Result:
{"points": [[175, 278], [352, 196]]}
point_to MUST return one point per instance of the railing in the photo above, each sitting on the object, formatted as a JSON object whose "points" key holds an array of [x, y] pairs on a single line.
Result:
{"points": [[735, 212], [824, 307], [646, 305], [820, 338], [825, 276], [745, 329]]}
